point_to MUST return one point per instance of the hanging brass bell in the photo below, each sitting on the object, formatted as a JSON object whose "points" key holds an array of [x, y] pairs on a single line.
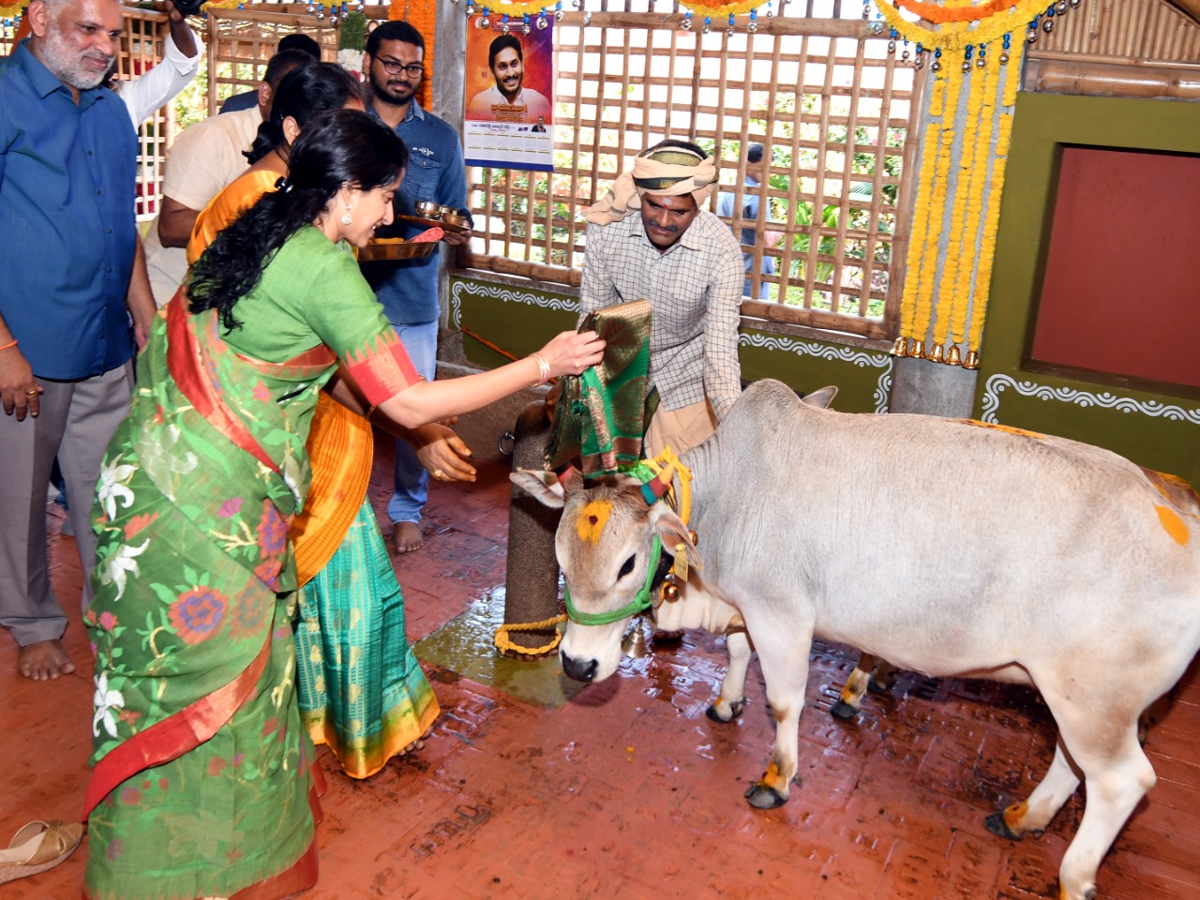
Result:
{"points": [[900, 347], [634, 643], [937, 354], [669, 591], [972, 360], [952, 356], [917, 349]]}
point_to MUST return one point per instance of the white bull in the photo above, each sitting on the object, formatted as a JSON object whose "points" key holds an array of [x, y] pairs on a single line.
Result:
{"points": [[947, 547]]}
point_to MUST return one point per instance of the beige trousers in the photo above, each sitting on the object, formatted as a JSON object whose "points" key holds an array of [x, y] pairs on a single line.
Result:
{"points": [[681, 429]]}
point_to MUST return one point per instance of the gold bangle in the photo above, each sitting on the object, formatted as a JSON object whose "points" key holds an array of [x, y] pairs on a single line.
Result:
{"points": [[371, 411]]}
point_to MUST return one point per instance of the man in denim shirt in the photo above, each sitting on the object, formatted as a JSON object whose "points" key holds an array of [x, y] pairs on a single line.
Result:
{"points": [[68, 162], [408, 290]]}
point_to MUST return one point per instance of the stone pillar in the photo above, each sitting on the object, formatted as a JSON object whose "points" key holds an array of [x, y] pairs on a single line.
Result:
{"points": [[920, 386], [531, 587]]}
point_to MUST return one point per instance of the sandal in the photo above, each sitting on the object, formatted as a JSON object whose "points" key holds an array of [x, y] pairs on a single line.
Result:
{"points": [[37, 847]]}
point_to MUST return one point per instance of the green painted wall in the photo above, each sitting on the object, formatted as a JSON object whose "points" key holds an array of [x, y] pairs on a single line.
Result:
{"points": [[1155, 426], [520, 320]]}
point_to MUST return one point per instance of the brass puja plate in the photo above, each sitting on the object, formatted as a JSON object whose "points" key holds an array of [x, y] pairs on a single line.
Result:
{"points": [[448, 227], [395, 248]]}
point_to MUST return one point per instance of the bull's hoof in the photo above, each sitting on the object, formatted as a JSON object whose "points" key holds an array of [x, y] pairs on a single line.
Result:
{"points": [[762, 796], [735, 710], [843, 710], [996, 825], [879, 687]]}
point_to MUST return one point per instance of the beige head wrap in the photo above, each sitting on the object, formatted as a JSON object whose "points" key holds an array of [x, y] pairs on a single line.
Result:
{"points": [[671, 171]]}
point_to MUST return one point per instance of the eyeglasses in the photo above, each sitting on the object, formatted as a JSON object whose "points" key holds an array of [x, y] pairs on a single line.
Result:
{"points": [[394, 67]]}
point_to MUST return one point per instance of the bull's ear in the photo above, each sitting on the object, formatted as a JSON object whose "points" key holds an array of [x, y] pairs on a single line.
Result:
{"points": [[541, 485], [672, 532], [821, 398]]}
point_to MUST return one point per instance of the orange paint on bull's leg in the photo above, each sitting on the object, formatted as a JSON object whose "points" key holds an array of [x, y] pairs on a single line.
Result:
{"points": [[773, 778], [592, 520], [856, 686], [1014, 817], [1173, 525]]}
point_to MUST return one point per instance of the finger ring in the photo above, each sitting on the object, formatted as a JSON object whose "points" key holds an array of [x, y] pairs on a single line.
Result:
{"points": [[30, 393], [438, 473]]}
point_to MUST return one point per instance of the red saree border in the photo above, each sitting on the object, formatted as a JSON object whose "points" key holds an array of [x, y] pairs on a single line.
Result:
{"points": [[175, 735], [184, 359], [383, 371], [299, 877]]}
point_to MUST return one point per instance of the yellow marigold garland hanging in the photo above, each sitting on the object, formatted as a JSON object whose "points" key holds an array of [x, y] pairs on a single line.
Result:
{"points": [[941, 301], [980, 108], [13, 11], [987, 249]]}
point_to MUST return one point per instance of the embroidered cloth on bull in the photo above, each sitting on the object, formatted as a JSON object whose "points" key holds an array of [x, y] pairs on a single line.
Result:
{"points": [[602, 414]]}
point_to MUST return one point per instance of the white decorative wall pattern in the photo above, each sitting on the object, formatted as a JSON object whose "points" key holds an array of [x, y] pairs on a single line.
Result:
{"points": [[1105, 400], [505, 294], [861, 358]]}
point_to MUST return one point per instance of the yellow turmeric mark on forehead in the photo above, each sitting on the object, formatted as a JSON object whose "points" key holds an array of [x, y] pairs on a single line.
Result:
{"points": [[1173, 525], [998, 427], [592, 520]]}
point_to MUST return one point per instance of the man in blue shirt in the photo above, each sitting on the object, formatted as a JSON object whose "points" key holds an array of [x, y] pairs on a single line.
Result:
{"points": [[68, 164], [394, 66], [755, 175]]}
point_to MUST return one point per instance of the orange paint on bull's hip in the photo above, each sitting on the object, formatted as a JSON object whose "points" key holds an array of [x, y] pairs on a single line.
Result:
{"points": [[1173, 525], [996, 426], [592, 520]]}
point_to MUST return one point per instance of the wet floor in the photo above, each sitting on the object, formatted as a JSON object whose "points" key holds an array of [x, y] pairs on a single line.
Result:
{"points": [[531, 787]]}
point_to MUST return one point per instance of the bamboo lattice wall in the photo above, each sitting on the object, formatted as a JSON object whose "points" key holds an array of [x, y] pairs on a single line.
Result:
{"points": [[833, 108], [240, 41]]}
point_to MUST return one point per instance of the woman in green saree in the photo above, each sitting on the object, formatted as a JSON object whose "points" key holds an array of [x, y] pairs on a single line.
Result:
{"points": [[360, 688], [203, 782]]}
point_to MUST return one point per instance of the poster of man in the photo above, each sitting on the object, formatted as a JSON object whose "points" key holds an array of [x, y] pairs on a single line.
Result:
{"points": [[509, 99], [509, 110]]}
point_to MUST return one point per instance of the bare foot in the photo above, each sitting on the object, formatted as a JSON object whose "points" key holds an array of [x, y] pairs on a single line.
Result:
{"points": [[407, 537], [418, 744], [44, 661]]}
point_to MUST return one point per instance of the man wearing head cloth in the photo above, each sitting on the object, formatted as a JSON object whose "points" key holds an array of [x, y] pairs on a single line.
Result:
{"points": [[651, 238]]}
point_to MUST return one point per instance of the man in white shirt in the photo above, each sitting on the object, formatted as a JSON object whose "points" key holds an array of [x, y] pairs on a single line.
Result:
{"points": [[160, 85], [508, 101], [205, 158]]}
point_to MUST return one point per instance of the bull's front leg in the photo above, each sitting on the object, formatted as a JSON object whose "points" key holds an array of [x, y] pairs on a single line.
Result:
{"points": [[732, 701], [783, 650]]}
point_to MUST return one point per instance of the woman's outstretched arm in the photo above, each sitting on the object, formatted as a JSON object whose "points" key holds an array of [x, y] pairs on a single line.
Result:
{"points": [[567, 354]]}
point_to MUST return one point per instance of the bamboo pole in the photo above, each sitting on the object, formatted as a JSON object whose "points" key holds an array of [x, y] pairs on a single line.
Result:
{"points": [[1085, 77]]}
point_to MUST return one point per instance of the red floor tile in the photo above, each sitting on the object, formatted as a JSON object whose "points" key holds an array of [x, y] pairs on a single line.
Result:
{"points": [[630, 791]]}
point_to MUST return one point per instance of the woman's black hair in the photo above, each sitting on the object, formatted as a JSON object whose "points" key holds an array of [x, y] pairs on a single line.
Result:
{"points": [[303, 94], [344, 148]]}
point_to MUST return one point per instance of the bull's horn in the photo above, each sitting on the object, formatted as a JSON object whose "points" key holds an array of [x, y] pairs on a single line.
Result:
{"points": [[566, 474], [654, 489]]}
